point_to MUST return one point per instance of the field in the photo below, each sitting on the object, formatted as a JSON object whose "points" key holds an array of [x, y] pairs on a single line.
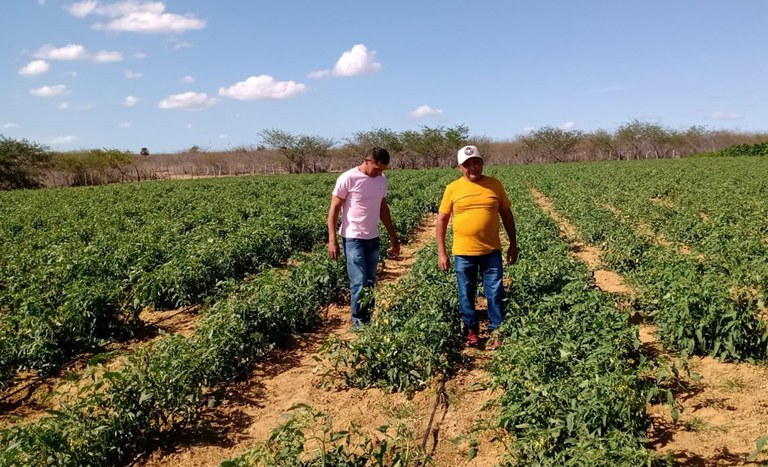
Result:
{"points": [[196, 322]]}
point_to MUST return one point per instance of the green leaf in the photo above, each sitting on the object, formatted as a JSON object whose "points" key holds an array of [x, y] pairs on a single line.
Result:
{"points": [[759, 446]]}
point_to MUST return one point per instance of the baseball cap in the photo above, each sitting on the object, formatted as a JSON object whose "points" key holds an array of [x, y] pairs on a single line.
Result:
{"points": [[468, 152]]}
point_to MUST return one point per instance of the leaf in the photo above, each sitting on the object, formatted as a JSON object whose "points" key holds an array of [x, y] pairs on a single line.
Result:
{"points": [[759, 446]]}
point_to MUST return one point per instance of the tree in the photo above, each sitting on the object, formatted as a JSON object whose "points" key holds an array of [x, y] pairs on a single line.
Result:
{"points": [[95, 166], [22, 163], [553, 144], [385, 138], [600, 145], [435, 146], [304, 153], [643, 139]]}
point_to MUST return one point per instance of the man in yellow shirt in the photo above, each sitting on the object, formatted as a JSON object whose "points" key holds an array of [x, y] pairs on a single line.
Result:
{"points": [[476, 202]]}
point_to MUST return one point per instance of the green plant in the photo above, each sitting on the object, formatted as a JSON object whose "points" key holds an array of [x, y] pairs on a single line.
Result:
{"points": [[22, 163], [734, 384], [307, 439]]}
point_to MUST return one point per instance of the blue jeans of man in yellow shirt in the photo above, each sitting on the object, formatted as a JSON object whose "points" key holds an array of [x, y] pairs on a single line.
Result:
{"points": [[490, 267]]}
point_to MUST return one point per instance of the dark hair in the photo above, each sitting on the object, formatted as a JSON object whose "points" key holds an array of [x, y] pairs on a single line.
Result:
{"points": [[378, 155]]}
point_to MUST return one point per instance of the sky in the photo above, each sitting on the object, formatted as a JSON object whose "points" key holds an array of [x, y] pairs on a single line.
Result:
{"points": [[168, 75]]}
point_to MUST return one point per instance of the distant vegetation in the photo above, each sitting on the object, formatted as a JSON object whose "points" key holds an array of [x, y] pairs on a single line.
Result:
{"points": [[25, 164], [739, 150]]}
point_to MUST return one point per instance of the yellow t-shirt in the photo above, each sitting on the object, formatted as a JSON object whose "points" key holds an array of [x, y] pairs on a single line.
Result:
{"points": [[475, 207]]}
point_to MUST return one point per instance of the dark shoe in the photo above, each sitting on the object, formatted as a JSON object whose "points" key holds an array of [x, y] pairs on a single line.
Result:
{"points": [[472, 339], [494, 342]]}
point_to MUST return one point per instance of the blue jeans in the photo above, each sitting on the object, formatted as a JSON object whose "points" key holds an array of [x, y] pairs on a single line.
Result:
{"points": [[362, 258], [491, 268]]}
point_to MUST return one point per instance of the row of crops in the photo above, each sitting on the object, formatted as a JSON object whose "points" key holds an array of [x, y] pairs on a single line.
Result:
{"points": [[164, 384], [690, 236], [77, 266], [574, 390]]}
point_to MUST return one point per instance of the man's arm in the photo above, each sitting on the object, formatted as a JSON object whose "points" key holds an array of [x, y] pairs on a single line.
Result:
{"points": [[441, 228], [333, 218], [386, 219], [508, 219]]}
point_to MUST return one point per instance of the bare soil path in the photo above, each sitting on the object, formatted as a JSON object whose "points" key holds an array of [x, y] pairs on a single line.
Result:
{"points": [[722, 414]]}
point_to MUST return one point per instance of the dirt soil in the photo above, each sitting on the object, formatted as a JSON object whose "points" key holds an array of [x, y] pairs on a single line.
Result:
{"points": [[723, 406], [253, 408]]}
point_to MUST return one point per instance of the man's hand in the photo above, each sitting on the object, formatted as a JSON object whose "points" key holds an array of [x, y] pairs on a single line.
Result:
{"points": [[443, 261], [512, 254], [333, 250], [394, 251]]}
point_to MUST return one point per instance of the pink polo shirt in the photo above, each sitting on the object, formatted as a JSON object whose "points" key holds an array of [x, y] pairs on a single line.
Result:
{"points": [[362, 197]]}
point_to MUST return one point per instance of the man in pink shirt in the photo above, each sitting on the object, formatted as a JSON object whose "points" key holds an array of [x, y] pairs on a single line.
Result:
{"points": [[360, 195]]}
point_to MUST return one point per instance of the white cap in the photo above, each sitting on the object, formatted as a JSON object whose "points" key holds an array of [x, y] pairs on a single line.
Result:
{"points": [[468, 152]]}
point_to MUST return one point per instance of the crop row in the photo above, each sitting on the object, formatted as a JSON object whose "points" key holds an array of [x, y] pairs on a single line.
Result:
{"points": [[570, 366], [704, 301], [163, 384], [417, 335], [574, 391], [78, 265]]}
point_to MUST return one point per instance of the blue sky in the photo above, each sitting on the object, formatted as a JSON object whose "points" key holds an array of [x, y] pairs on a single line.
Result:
{"points": [[167, 75]]}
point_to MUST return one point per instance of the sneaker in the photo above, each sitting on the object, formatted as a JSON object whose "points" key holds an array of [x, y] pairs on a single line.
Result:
{"points": [[494, 343], [472, 339]]}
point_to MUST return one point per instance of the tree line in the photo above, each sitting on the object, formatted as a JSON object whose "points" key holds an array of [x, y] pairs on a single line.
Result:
{"points": [[26, 164]]}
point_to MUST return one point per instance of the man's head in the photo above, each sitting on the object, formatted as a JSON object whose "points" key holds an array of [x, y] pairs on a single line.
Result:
{"points": [[470, 163], [375, 162]]}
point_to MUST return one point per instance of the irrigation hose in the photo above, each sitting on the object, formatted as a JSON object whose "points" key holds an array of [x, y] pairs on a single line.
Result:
{"points": [[441, 397]]}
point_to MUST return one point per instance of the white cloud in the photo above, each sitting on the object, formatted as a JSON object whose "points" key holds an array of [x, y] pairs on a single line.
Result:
{"points": [[126, 124], [82, 9], [139, 55], [719, 115], [425, 111], [568, 126], [41, 2], [64, 106], [104, 56], [136, 16], [68, 52], [319, 74], [8, 125], [63, 140], [130, 101], [130, 74], [48, 91], [262, 87], [356, 61], [77, 52], [34, 67], [187, 101], [72, 74], [223, 136], [187, 80]]}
